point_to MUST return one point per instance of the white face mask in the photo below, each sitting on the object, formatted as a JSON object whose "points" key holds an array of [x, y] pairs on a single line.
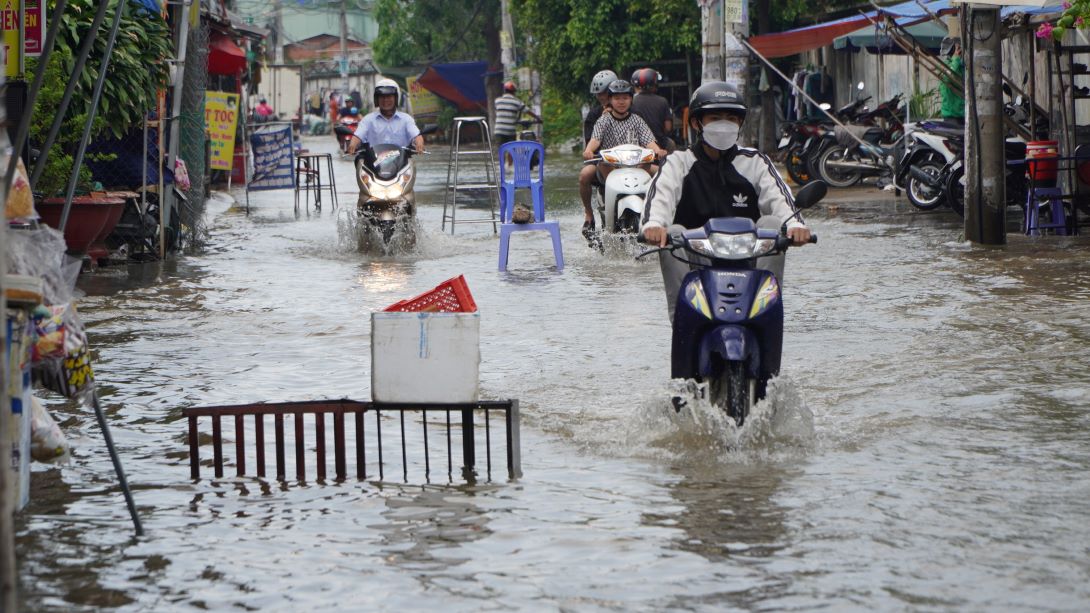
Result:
{"points": [[721, 134]]}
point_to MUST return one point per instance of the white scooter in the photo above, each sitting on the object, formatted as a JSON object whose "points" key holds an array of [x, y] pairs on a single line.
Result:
{"points": [[620, 203]]}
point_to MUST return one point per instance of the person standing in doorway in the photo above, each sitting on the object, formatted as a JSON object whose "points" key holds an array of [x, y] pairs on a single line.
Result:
{"points": [[953, 103]]}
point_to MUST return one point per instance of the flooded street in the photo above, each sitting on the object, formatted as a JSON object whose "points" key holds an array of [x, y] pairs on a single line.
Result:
{"points": [[927, 447]]}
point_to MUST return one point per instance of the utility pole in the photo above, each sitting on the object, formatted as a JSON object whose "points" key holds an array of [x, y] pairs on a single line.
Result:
{"points": [[711, 36], [724, 24], [344, 48], [278, 35], [507, 41], [985, 197], [766, 134]]}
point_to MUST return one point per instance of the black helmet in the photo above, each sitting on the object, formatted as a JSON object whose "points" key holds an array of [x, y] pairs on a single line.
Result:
{"points": [[645, 77], [716, 96], [948, 45], [619, 86]]}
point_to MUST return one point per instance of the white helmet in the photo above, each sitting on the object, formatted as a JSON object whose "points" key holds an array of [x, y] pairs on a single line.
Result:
{"points": [[601, 81], [386, 87]]}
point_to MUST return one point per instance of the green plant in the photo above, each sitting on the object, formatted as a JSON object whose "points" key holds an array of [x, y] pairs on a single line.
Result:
{"points": [[924, 104], [561, 119]]}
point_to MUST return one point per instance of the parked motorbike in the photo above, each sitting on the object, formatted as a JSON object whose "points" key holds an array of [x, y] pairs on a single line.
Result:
{"points": [[842, 161], [620, 199], [931, 147], [800, 140], [932, 168], [728, 326], [1016, 184]]}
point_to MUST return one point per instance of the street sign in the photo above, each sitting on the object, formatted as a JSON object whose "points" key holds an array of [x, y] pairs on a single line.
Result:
{"points": [[734, 11], [34, 28]]}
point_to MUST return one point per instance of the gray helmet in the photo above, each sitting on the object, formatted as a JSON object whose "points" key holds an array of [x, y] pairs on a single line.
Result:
{"points": [[601, 81], [716, 96], [620, 86]]}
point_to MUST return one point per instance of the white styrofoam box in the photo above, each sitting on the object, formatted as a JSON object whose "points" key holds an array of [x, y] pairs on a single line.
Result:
{"points": [[425, 357]]}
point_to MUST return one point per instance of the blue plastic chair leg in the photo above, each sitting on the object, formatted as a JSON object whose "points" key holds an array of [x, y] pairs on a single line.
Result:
{"points": [[505, 243], [558, 252]]}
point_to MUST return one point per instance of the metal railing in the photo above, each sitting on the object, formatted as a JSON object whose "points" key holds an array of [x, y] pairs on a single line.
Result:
{"points": [[359, 436]]}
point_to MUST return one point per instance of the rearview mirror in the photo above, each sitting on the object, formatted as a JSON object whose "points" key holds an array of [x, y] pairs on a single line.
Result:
{"points": [[859, 86], [825, 106], [429, 128], [811, 194]]}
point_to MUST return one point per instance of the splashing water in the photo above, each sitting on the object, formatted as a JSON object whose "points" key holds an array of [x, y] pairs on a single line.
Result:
{"points": [[779, 423]]}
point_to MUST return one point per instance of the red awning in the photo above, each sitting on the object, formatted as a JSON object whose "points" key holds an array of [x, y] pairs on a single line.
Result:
{"points": [[782, 44], [224, 56]]}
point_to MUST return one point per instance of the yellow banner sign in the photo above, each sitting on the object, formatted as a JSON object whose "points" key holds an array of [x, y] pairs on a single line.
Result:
{"points": [[10, 11], [423, 101], [221, 119]]}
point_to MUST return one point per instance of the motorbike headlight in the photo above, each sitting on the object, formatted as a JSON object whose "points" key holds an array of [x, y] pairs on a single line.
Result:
{"points": [[766, 296], [724, 246], [394, 191], [387, 192]]}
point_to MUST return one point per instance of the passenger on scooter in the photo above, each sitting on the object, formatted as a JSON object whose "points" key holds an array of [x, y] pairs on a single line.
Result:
{"points": [[263, 112], [598, 87], [508, 110], [714, 178], [617, 127], [386, 125], [654, 109]]}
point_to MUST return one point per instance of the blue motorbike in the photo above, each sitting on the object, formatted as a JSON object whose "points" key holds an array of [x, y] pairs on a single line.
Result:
{"points": [[728, 323]]}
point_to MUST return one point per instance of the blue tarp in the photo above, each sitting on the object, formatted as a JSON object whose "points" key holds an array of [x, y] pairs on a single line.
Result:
{"points": [[460, 83], [790, 42]]}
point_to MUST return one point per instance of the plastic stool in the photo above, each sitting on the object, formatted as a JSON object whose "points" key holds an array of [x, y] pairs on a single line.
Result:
{"points": [[1053, 198]]}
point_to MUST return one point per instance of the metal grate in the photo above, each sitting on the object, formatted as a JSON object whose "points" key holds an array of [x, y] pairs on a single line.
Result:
{"points": [[356, 434]]}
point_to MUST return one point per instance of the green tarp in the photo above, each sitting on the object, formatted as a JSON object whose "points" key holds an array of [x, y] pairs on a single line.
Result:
{"points": [[927, 34]]}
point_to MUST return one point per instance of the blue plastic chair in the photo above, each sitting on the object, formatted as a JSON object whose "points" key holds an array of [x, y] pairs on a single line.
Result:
{"points": [[521, 154]]}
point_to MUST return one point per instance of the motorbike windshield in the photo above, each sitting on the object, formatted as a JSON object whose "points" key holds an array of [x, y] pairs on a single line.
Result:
{"points": [[388, 160]]}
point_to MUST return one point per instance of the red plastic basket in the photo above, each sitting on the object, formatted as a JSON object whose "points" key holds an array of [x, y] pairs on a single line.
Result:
{"points": [[450, 296]]}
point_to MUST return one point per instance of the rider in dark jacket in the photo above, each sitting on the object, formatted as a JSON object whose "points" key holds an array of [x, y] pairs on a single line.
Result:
{"points": [[714, 178]]}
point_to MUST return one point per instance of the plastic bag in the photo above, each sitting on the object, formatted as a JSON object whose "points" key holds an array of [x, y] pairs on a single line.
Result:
{"points": [[181, 175], [67, 372], [20, 203], [47, 442]]}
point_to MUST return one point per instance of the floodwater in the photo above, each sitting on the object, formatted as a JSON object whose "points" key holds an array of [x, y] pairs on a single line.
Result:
{"points": [[927, 447]]}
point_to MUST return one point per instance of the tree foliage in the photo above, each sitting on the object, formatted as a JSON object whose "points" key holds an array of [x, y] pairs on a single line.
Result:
{"points": [[570, 40], [137, 69], [136, 72], [422, 31]]}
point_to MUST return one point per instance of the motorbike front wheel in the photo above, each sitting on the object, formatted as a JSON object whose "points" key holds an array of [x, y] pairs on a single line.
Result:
{"points": [[830, 174], [922, 195], [733, 391], [629, 223], [796, 166]]}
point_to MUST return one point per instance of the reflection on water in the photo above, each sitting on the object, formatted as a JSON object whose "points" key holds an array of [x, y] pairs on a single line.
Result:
{"points": [[926, 447]]}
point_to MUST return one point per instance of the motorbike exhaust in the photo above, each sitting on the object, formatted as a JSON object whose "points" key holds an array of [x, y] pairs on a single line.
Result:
{"points": [[853, 166], [923, 177]]}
